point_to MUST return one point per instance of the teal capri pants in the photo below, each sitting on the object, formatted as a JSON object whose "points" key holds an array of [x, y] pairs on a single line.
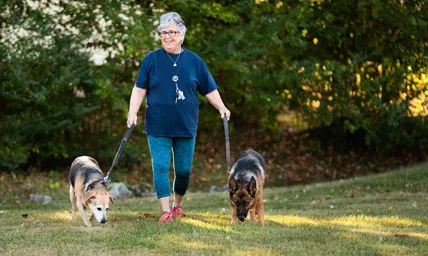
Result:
{"points": [[182, 150]]}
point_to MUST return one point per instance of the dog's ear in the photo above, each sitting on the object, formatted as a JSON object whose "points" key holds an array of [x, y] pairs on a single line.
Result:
{"points": [[89, 196], [232, 186], [91, 186], [252, 187]]}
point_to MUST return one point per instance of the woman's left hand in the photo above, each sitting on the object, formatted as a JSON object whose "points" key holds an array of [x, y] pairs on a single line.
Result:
{"points": [[224, 111]]}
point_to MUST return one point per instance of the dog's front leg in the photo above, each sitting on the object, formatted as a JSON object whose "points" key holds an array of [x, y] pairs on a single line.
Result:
{"points": [[234, 216], [82, 211], [73, 203], [253, 214], [261, 213]]}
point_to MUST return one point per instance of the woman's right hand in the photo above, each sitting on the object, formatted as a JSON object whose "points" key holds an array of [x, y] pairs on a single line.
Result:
{"points": [[132, 118]]}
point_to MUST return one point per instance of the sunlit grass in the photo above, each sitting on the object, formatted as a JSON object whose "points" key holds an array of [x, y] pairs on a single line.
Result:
{"points": [[370, 222], [349, 221], [384, 233], [292, 220], [62, 215], [205, 224], [195, 245]]}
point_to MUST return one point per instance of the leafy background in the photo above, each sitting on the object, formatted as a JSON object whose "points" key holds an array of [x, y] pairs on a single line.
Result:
{"points": [[323, 89]]}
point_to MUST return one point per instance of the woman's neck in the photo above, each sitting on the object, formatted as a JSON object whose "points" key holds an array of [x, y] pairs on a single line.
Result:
{"points": [[175, 51]]}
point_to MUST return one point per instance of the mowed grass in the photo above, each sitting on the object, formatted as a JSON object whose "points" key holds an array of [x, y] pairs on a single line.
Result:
{"points": [[383, 214]]}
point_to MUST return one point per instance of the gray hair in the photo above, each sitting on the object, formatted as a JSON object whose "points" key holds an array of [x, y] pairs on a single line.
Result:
{"points": [[172, 18]]}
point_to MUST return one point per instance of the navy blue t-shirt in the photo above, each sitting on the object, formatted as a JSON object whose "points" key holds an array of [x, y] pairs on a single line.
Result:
{"points": [[164, 115]]}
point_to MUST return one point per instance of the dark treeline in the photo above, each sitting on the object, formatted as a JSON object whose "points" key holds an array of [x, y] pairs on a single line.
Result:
{"points": [[346, 68]]}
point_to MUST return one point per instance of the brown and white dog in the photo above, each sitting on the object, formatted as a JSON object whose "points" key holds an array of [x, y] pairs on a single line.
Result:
{"points": [[246, 187], [88, 189]]}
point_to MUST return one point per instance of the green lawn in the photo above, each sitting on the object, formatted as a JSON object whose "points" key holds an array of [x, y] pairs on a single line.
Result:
{"points": [[383, 214]]}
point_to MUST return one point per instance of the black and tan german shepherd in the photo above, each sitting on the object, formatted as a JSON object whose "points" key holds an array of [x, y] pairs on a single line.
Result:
{"points": [[88, 189], [246, 186]]}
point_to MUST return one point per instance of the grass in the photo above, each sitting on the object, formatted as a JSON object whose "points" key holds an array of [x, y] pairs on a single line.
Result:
{"points": [[382, 214]]}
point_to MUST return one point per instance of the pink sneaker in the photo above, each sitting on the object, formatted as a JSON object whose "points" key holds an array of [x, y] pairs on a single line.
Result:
{"points": [[178, 211], [166, 217]]}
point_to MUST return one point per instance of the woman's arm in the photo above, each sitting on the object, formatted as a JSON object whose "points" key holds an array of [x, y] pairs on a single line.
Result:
{"points": [[137, 97], [215, 100]]}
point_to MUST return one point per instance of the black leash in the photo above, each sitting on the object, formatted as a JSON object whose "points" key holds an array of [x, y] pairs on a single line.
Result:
{"points": [[122, 145], [226, 135]]}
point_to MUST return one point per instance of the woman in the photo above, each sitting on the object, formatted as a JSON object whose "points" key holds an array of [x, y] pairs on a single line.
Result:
{"points": [[171, 77]]}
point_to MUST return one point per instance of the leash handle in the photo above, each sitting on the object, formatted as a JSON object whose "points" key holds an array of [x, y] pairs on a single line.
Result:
{"points": [[128, 132], [122, 145], [226, 135]]}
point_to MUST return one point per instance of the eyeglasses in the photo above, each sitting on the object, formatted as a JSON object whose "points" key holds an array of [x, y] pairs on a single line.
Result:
{"points": [[170, 33]]}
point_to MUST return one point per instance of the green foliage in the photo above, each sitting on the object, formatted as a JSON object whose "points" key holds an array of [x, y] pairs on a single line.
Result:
{"points": [[41, 76], [364, 53], [351, 66]]}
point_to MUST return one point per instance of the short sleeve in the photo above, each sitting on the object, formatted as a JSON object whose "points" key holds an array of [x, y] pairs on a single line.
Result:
{"points": [[143, 74], [206, 81]]}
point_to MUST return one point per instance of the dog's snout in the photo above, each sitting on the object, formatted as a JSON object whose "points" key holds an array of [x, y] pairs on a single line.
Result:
{"points": [[241, 218], [103, 221]]}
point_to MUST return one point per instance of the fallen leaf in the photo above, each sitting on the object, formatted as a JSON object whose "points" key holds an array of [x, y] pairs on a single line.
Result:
{"points": [[145, 216], [400, 235]]}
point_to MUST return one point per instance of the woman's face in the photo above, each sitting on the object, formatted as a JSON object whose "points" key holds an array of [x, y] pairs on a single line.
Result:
{"points": [[171, 44]]}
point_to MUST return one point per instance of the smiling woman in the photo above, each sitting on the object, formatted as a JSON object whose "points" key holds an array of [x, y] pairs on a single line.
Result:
{"points": [[172, 31], [171, 77]]}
